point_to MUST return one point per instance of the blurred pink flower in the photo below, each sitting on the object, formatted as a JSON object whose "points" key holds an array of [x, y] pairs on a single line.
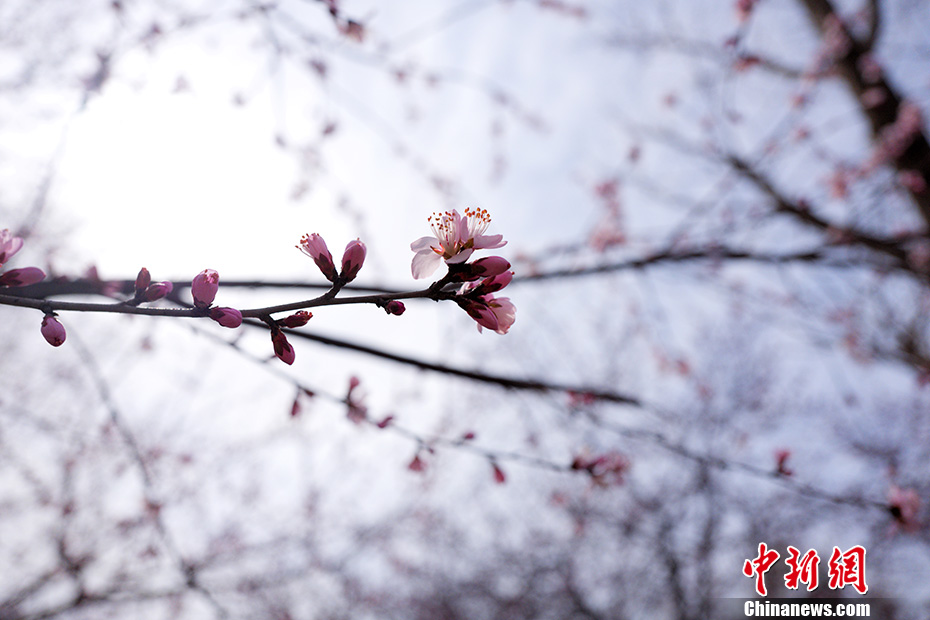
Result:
{"points": [[22, 277], [157, 290], [204, 287], [53, 331], [904, 505], [455, 238], [353, 259], [314, 246], [143, 280], [9, 245]]}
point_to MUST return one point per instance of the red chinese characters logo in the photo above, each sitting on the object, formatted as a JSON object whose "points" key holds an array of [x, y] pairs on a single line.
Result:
{"points": [[803, 569], [759, 566], [848, 569], [845, 568]]}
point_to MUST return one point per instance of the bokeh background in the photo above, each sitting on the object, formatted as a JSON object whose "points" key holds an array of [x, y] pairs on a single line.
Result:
{"points": [[717, 213]]}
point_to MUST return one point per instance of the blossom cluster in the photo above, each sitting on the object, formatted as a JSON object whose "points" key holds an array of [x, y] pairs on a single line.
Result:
{"points": [[455, 238], [52, 330]]}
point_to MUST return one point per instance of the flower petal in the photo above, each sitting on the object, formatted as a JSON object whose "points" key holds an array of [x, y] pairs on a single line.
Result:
{"points": [[424, 264], [489, 242], [461, 257], [423, 243]]}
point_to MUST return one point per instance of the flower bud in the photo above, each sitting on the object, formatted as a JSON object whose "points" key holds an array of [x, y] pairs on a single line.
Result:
{"points": [[227, 317], [298, 319], [9, 245], [143, 280], [204, 287], [482, 314], [353, 259], [394, 307], [22, 277], [490, 266], [491, 285], [314, 246], [53, 331], [282, 348], [157, 290]]}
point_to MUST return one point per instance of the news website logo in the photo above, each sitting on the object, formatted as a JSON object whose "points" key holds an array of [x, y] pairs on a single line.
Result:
{"points": [[844, 568]]}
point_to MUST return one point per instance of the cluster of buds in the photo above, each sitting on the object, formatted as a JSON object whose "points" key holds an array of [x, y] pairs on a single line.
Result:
{"points": [[455, 238], [52, 330], [203, 289], [10, 245], [282, 348], [147, 291], [353, 258], [608, 468]]}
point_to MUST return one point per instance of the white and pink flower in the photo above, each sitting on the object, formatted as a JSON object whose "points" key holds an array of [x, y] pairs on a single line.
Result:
{"points": [[455, 238], [9, 245], [314, 246]]}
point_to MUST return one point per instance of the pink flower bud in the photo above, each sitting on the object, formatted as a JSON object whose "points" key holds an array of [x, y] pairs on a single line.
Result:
{"points": [[499, 476], [227, 317], [204, 287], [315, 247], [298, 319], [352, 259], [157, 290], [53, 331], [9, 245], [482, 314], [490, 266], [22, 277], [491, 285], [143, 280], [282, 348], [395, 307]]}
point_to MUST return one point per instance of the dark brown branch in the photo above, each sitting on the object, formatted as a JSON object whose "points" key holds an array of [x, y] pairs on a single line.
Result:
{"points": [[916, 156], [474, 375], [805, 215]]}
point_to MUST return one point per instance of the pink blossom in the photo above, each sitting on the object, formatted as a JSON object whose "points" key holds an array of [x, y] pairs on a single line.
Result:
{"points": [[204, 287], [904, 505], [9, 245], [298, 319], [53, 331], [482, 313], [455, 238], [502, 310], [227, 317], [157, 290], [353, 259], [282, 348], [22, 277], [314, 246]]}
